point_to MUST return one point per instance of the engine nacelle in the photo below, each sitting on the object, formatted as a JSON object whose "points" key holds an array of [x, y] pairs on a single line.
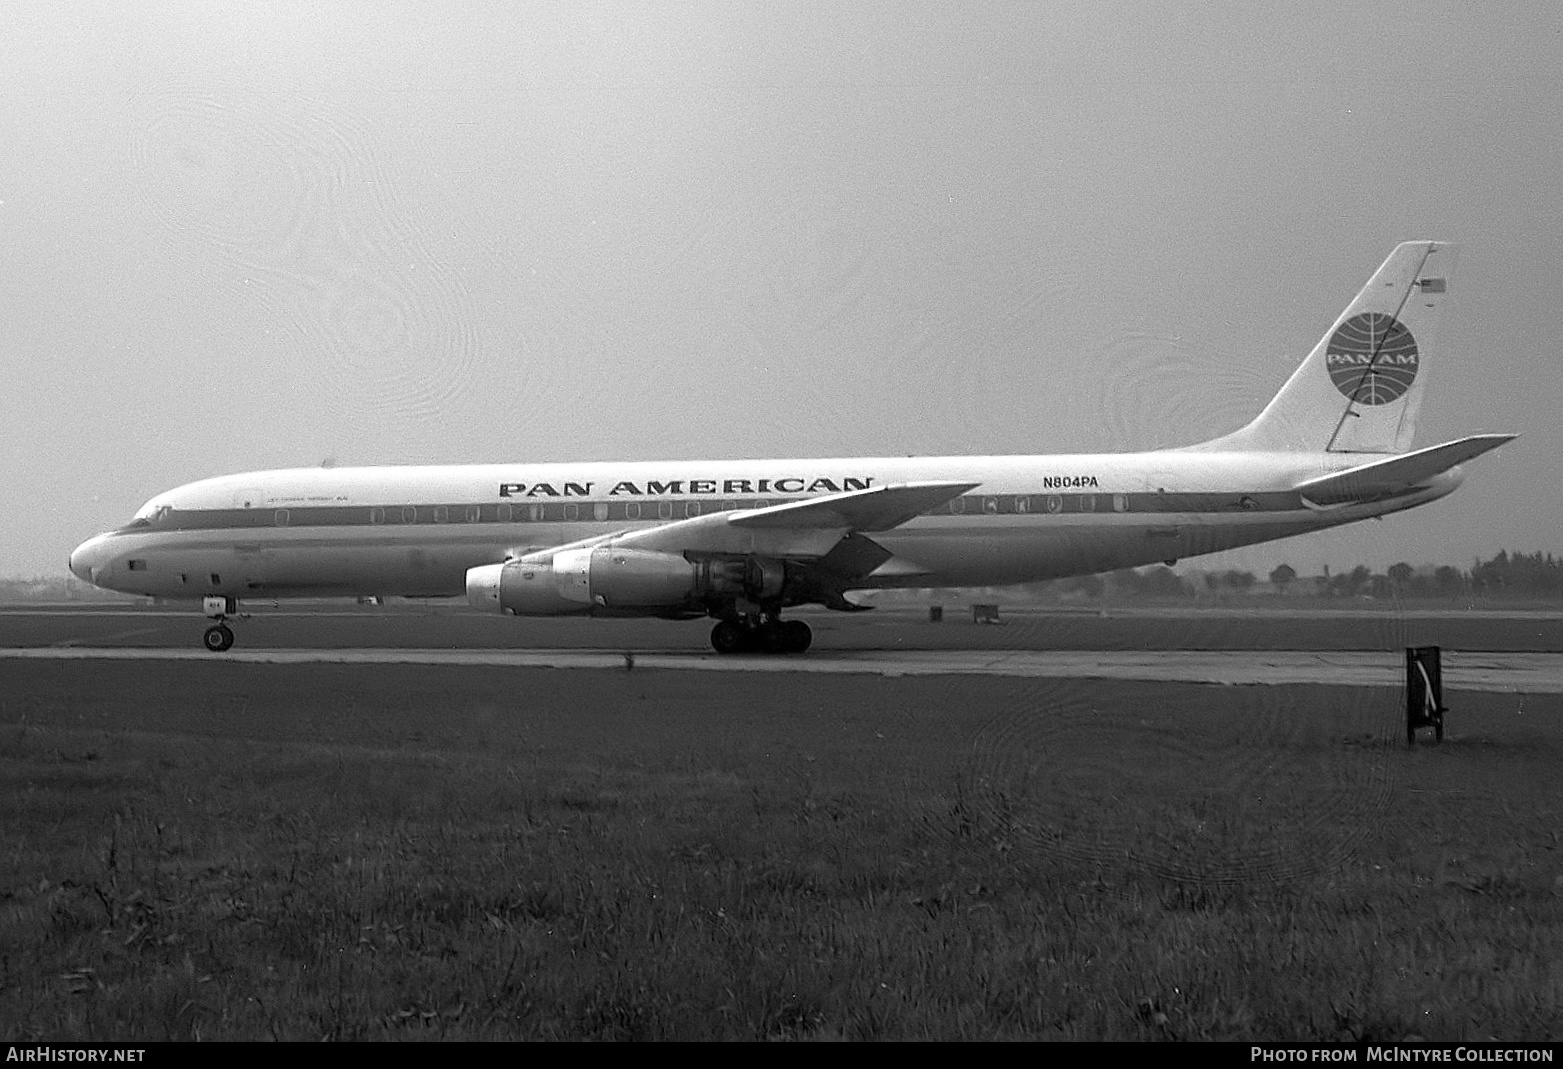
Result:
{"points": [[578, 581], [581, 581]]}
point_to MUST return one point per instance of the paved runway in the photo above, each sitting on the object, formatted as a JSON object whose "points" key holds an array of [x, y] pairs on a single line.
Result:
{"points": [[1515, 673]]}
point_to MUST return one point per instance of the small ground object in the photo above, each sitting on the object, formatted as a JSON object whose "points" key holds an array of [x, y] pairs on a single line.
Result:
{"points": [[1424, 692]]}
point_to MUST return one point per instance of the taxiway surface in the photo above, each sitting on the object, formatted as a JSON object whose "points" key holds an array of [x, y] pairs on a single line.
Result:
{"points": [[1051, 630], [1483, 651], [1520, 673]]}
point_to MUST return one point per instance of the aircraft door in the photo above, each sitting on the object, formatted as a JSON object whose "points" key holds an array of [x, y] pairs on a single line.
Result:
{"points": [[246, 563]]}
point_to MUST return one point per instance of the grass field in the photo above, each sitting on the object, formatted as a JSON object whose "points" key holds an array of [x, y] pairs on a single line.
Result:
{"points": [[233, 851]]}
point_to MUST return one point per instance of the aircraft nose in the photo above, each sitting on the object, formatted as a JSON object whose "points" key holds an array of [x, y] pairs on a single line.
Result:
{"points": [[86, 557]]}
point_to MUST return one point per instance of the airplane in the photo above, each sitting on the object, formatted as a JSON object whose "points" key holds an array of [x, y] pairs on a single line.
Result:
{"points": [[741, 541]]}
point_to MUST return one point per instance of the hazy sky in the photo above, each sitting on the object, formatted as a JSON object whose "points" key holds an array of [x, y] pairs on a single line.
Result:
{"points": [[242, 236]]}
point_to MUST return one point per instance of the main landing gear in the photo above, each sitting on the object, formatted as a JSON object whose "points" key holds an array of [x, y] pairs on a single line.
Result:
{"points": [[769, 636], [219, 636]]}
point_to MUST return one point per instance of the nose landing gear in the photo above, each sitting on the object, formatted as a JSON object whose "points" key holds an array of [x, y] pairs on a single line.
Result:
{"points": [[219, 636]]}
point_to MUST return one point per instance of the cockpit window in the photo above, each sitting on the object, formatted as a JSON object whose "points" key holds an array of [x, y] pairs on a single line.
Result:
{"points": [[150, 515]]}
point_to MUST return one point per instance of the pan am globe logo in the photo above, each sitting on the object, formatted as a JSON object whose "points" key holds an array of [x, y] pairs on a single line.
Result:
{"points": [[1372, 358]]}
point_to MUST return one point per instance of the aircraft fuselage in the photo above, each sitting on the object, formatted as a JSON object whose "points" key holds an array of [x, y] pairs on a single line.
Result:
{"points": [[416, 531]]}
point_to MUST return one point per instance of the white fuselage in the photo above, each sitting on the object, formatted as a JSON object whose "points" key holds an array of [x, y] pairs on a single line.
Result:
{"points": [[416, 531]]}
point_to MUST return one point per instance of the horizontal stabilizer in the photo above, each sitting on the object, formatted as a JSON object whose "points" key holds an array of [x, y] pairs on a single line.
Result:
{"points": [[1398, 474], [878, 509]]}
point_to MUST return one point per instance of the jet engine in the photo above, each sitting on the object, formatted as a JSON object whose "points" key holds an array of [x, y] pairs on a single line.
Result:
{"points": [[583, 581]]}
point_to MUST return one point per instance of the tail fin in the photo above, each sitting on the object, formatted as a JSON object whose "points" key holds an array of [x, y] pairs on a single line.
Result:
{"points": [[1360, 389]]}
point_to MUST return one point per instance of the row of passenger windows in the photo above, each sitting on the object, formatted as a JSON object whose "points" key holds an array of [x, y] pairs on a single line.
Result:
{"points": [[1007, 504], [506, 513], [439, 514], [1024, 503], [631, 510]]}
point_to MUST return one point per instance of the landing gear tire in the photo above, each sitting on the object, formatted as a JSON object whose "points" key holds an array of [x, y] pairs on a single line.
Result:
{"points": [[218, 638], [773, 639], [728, 637], [790, 636]]}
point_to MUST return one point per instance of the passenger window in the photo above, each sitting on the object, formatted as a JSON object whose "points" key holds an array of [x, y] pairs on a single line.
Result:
{"points": [[990, 505], [280, 517], [600, 511], [665, 510], [534, 512], [957, 506], [441, 513], [632, 510], [692, 509], [409, 515], [572, 511], [506, 514], [729, 506], [1055, 503], [1120, 502], [1022, 504], [376, 515], [474, 513], [1087, 502]]}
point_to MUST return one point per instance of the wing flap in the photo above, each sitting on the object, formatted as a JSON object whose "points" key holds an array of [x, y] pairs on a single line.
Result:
{"points": [[899, 568], [1397, 474]]}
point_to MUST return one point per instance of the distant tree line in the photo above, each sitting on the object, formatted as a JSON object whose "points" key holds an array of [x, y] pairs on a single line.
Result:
{"points": [[1534, 575], [56, 588]]}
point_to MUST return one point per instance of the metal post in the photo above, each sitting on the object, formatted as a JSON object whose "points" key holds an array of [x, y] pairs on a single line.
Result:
{"points": [[1424, 692]]}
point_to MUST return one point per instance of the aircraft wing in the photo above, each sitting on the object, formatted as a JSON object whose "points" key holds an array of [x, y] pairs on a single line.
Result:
{"points": [[878, 509], [798, 530], [1397, 474]]}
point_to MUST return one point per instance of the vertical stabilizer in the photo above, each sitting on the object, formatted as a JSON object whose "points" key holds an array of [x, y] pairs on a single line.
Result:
{"points": [[1360, 388]]}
